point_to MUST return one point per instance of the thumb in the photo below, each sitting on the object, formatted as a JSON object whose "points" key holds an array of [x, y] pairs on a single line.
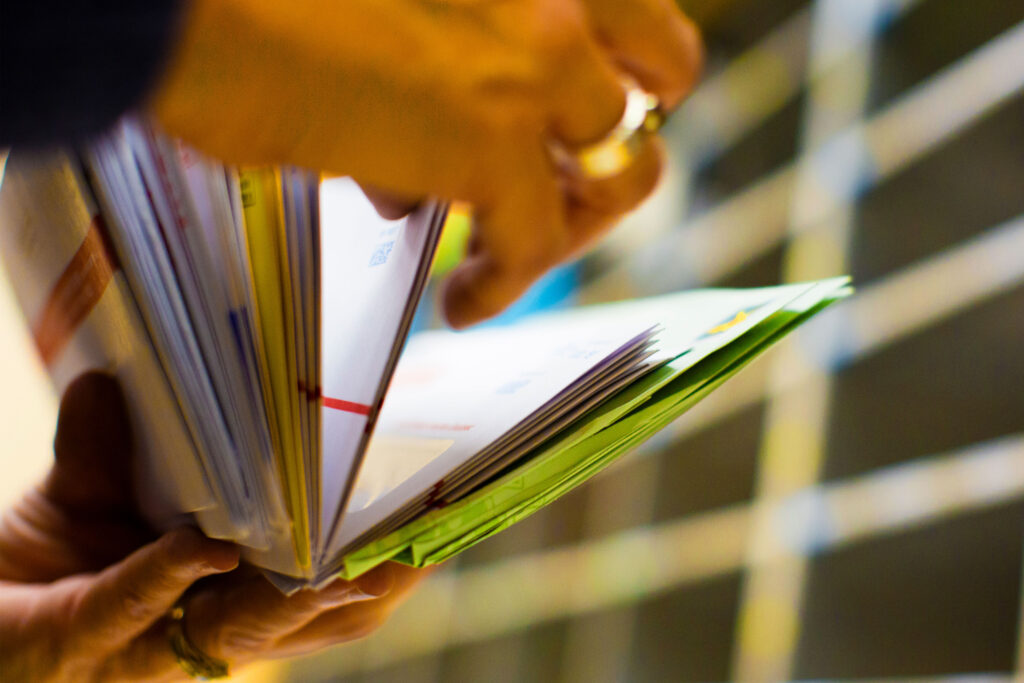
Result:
{"points": [[126, 598], [92, 446], [389, 206]]}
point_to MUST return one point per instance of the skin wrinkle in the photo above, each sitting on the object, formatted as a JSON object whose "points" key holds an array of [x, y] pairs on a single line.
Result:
{"points": [[25, 550], [39, 529]]}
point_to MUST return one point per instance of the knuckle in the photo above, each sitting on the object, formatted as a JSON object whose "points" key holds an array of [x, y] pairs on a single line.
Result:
{"points": [[688, 60], [556, 31], [133, 602], [235, 639], [506, 93], [64, 625]]}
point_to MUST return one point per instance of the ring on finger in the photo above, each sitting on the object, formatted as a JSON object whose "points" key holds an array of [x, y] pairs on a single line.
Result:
{"points": [[190, 658], [618, 150]]}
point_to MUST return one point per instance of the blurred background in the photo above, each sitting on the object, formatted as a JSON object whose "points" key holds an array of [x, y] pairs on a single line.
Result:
{"points": [[849, 507]]}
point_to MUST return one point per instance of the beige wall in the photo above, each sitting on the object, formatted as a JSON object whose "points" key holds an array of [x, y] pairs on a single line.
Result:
{"points": [[28, 406]]}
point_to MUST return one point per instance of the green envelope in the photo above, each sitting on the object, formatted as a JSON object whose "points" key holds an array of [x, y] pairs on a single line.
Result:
{"points": [[590, 444]]}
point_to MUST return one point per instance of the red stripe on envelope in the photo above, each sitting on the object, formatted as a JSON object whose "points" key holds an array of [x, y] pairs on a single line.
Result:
{"points": [[76, 292], [346, 406]]}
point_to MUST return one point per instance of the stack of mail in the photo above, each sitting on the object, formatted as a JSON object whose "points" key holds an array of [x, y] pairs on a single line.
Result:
{"points": [[255, 318]]}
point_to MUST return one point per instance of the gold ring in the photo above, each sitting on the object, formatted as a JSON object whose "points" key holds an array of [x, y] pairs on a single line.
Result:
{"points": [[620, 148], [191, 659]]}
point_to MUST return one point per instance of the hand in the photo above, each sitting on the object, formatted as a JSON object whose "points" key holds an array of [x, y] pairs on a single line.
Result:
{"points": [[457, 99], [84, 587]]}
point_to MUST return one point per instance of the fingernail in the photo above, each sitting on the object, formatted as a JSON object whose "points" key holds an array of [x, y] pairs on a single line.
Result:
{"points": [[222, 557], [370, 586], [217, 556], [345, 592], [378, 582], [341, 594], [186, 551]]}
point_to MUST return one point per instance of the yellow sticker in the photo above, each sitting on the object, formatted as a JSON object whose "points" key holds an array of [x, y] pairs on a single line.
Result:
{"points": [[737, 319], [264, 223]]}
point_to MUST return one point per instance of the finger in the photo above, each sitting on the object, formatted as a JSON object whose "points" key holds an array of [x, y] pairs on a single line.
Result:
{"points": [[516, 238], [389, 205], [92, 447], [208, 622], [595, 205], [240, 623], [353, 621], [586, 92], [123, 600], [653, 41]]}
